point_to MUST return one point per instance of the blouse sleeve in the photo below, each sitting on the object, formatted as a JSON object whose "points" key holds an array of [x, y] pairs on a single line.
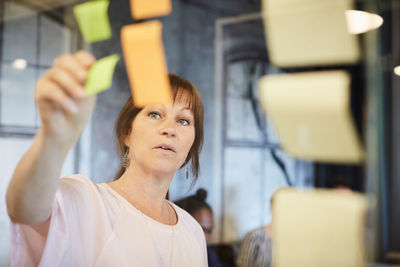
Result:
{"points": [[28, 245], [29, 248]]}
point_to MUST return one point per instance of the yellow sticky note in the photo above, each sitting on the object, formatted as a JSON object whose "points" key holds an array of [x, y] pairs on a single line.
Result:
{"points": [[312, 228], [311, 113], [145, 63], [141, 9], [100, 74], [309, 33], [93, 20]]}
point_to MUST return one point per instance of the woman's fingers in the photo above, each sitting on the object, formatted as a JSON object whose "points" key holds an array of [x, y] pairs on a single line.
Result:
{"points": [[84, 58], [66, 81], [73, 67], [63, 84], [51, 92]]}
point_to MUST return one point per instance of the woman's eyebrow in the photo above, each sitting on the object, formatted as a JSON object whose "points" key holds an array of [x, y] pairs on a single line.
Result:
{"points": [[187, 111], [186, 108]]}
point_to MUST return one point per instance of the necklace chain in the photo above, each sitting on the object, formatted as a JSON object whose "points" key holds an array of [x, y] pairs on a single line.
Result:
{"points": [[148, 229], [155, 243]]}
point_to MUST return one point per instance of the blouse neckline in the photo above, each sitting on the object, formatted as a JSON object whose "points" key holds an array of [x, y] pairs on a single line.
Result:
{"points": [[145, 217]]}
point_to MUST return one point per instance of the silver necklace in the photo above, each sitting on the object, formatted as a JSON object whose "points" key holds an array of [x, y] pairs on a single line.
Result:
{"points": [[158, 252]]}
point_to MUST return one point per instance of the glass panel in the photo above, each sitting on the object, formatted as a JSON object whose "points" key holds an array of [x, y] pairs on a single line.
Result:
{"points": [[23, 44], [243, 78], [272, 136], [237, 80], [244, 36], [242, 190], [55, 40], [300, 175], [17, 96], [38, 122], [242, 124], [274, 179]]}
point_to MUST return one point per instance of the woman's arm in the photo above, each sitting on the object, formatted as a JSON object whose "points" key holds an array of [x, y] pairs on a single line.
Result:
{"points": [[64, 111]]}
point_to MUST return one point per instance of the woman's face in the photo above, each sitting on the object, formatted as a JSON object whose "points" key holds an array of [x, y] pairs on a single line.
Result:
{"points": [[161, 137], [205, 218]]}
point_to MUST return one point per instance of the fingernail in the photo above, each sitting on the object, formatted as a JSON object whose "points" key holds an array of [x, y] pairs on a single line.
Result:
{"points": [[71, 106]]}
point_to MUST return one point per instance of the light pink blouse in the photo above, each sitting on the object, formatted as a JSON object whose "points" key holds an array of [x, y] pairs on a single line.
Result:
{"points": [[92, 225]]}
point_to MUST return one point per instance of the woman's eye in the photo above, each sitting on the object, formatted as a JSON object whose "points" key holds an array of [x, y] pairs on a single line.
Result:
{"points": [[183, 122], [154, 115]]}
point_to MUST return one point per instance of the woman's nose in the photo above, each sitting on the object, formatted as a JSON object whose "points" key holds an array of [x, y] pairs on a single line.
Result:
{"points": [[168, 128]]}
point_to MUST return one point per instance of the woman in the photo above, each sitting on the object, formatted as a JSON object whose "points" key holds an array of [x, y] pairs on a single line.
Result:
{"points": [[128, 222], [197, 206]]}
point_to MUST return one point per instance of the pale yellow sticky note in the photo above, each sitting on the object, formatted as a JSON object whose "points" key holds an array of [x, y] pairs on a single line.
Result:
{"points": [[311, 114], [145, 63], [309, 33], [100, 74], [318, 228], [141, 9], [93, 20]]}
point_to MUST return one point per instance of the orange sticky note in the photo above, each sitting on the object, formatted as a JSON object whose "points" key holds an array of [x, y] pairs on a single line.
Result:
{"points": [[145, 63], [141, 9]]}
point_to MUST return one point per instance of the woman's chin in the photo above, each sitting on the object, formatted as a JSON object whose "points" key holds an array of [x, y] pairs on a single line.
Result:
{"points": [[163, 171]]}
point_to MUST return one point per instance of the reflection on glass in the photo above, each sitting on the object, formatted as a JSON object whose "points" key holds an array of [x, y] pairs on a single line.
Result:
{"points": [[241, 124], [55, 40], [272, 136], [245, 118], [22, 45], [17, 96], [244, 172]]}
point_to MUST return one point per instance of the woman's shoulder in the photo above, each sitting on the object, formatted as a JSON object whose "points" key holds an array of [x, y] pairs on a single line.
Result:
{"points": [[187, 219], [75, 179], [77, 185], [80, 191], [188, 225]]}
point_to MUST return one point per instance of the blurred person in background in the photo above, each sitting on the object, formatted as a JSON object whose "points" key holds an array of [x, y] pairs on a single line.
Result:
{"points": [[256, 247]]}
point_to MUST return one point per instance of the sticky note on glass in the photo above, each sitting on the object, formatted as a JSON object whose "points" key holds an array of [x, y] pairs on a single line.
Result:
{"points": [[309, 33], [311, 114], [312, 228], [141, 9], [145, 63], [100, 74], [93, 20]]}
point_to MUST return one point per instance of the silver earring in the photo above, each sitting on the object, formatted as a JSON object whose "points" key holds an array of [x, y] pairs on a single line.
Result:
{"points": [[186, 173], [125, 159]]}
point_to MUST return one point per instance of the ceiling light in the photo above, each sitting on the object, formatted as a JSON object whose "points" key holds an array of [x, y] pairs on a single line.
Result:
{"points": [[19, 64], [396, 70], [361, 21]]}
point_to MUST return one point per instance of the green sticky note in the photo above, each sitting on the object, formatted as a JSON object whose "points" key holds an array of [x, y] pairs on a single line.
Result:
{"points": [[100, 75], [93, 20]]}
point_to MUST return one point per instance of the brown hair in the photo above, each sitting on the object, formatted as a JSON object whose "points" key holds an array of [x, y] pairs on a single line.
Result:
{"points": [[180, 88]]}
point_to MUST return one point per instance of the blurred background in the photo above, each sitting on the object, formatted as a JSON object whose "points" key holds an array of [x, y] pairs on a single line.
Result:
{"points": [[220, 46]]}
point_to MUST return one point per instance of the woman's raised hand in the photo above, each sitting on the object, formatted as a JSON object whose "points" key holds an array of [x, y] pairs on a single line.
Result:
{"points": [[63, 106]]}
